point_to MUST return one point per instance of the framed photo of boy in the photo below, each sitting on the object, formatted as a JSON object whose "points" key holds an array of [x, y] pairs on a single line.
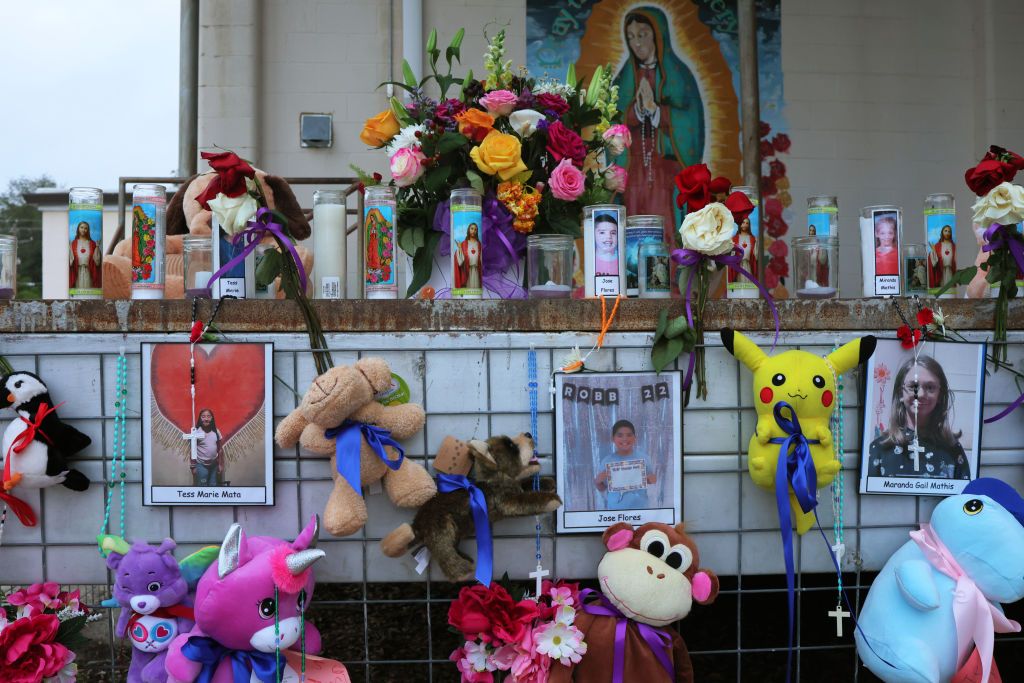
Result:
{"points": [[618, 448], [922, 418], [217, 449]]}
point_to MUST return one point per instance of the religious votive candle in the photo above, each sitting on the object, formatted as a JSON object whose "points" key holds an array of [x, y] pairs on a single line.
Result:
{"points": [[329, 244], [549, 264], [149, 209], [654, 268], [604, 252], [85, 240], [8, 266], [467, 249], [881, 235], [380, 243], [640, 230], [739, 286], [823, 215], [993, 288], [940, 234], [915, 269], [816, 266], [198, 262]]}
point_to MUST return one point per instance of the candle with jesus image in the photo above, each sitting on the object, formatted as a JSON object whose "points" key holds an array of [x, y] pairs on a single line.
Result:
{"points": [[467, 244], [940, 231], [85, 239]]}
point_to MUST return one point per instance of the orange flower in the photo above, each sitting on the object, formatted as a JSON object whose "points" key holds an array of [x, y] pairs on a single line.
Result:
{"points": [[378, 130], [475, 124]]}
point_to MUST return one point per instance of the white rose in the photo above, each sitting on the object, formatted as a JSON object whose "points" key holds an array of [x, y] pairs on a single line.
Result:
{"points": [[709, 231], [233, 212], [1004, 204], [525, 121]]}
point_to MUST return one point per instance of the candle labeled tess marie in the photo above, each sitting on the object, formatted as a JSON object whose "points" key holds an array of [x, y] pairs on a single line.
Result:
{"points": [[654, 270], [149, 209], [85, 240], [881, 234], [940, 232], [604, 254], [640, 230], [380, 274], [329, 238], [822, 216], [240, 280], [748, 232], [467, 247]]}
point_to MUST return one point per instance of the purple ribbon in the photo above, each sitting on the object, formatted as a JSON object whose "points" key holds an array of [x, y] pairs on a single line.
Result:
{"points": [[689, 258], [997, 236], [657, 639], [258, 228]]}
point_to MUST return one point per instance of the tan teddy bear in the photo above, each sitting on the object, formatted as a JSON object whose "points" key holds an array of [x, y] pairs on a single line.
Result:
{"points": [[347, 393]]}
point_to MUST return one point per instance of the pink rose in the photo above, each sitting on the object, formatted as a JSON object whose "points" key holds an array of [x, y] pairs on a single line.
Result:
{"points": [[407, 166], [615, 178], [617, 138], [499, 102], [566, 181]]}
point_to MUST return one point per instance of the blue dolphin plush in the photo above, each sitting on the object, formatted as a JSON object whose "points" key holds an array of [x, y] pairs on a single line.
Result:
{"points": [[936, 599]]}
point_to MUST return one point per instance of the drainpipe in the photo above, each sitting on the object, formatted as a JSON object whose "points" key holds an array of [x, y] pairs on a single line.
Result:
{"points": [[412, 35], [188, 77]]}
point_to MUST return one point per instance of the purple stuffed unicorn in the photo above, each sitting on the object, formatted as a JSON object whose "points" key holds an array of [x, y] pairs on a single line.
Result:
{"points": [[155, 605], [249, 608]]}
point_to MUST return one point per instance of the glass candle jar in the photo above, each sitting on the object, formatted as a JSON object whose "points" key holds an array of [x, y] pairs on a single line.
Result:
{"points": [[640, 230], [8, 266], [940, 234], [85, 240], [604, 253], [149, 225], [747, 235], [198, 258], [881, 236], [654, 269], [549, 262], [915, 269], [823, 216], [467, 252], [816, 266], [329, 242], [380, 243]]}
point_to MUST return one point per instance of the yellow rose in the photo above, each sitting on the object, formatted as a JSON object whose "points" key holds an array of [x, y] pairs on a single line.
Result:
{"points": [[378, 130], [500, 154]]}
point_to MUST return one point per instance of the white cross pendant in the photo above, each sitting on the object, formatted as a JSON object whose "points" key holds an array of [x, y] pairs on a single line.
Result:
{"points": [[539, 575], [839, 614], [917, 449], [192, 438], [839, 549]]}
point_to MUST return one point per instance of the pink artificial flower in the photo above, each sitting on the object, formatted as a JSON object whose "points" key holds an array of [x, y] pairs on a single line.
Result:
{"points": [[615, 178], [617, 138], [28, 652], [36, 598], [499, 102], [407, 165], [567, 182], [471, 661], [529, 666], [503, 657]]}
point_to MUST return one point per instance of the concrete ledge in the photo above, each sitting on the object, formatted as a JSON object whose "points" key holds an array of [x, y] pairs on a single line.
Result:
{"points": [[634, 315]]}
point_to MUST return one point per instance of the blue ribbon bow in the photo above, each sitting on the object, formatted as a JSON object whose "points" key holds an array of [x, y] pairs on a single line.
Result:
{"points": [[210, 653], [446, 483], [348, 444], [794, 470]]}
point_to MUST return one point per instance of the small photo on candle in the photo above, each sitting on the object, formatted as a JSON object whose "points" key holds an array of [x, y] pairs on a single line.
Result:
{"points": [[606, 243], [887, 245], [922, 417]]}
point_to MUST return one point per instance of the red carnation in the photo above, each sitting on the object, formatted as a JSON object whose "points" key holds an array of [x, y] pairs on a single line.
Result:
{"points": [[987, 174], [771, 279], [779, 267], [775, 226], [552, 104], [925, 316], [694, 183], [763, 129], [776, 169], [740, 206], [27, 651], [565, 143], [773, 207], [908, 339], [781, 142]]}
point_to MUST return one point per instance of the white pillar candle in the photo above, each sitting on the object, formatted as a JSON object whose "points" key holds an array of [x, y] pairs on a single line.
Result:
{"points": [[329, 244], [881, 238]]}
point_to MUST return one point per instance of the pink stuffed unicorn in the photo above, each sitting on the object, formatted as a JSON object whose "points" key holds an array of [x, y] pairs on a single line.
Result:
{"points": [[249, 610]]}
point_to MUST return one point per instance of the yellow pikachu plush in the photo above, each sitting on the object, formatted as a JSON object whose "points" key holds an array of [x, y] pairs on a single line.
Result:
{"points": [[807, 383]]}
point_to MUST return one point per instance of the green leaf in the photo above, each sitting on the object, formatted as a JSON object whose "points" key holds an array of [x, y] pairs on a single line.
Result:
{"points": [[960, 277], [662, 324], [432, 40], [423, 263], [665, 352], [407, 239], [419, 237], [451, 141], [268, 268], [70, 628], [676, 327], [408, 75], [564, 225], [475, 181], [465, 82], [570, 75], [436, 178], [400, 112]]}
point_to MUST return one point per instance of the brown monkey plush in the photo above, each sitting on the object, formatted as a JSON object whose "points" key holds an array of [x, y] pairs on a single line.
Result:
{"points": [[649, 578], [501, 467]]}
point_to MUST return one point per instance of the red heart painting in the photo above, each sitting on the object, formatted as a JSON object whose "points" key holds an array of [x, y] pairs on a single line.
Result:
{"points": [[230, 381], [163, 632]]}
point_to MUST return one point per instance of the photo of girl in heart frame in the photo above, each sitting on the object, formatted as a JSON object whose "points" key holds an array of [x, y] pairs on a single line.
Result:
{"points": [[215, 448]]}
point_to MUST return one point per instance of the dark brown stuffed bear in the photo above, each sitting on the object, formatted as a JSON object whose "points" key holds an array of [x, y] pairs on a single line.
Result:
{"points": [[503, 466]]}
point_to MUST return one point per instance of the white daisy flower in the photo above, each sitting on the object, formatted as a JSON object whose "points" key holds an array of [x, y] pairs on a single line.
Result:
{"points": [[561, 642], [406, 139]]}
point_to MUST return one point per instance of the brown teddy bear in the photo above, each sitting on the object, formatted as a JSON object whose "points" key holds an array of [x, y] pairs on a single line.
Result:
{"points": [[186, 216], [340, 397]]}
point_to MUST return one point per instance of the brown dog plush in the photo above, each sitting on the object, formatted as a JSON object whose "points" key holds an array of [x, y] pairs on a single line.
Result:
{"points": [[501, 466], [346, 393], [650, 576], [186, 216]]}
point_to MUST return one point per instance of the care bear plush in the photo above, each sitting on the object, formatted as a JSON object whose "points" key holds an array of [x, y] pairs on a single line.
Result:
{"points": [[339, 417], [794, 391], [649, 579], [933, 609]]}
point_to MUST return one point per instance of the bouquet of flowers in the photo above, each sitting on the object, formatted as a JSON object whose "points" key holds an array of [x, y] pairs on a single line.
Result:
{"points": [[534, 148], [515, 640], [39, 627]]}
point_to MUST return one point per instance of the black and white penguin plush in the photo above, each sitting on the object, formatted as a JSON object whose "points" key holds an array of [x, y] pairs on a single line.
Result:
{"points": [[38, 457]]}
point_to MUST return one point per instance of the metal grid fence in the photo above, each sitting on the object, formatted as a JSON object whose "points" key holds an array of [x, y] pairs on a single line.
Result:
{"points": [[474, 385]]}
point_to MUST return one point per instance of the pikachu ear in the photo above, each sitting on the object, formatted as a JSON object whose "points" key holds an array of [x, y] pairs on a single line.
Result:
{"points": [[852, 354], [745, 350]]}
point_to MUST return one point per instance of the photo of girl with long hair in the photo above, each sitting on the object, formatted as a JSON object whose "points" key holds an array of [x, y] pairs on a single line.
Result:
{"points": [[208, 465]]}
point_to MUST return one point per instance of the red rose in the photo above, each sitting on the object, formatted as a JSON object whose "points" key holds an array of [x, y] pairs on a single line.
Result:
{"points": [[763, 129], [740, 206], [766, 149], [552, 104], [778, 249], [694, 183], [987, 174], [1012, 158], [776, 169], [511, 625], [781, 142], [232, 172], [768, 186], [27, 651], [564, 143], [925, 316], [471, 612], [720, 185]]}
